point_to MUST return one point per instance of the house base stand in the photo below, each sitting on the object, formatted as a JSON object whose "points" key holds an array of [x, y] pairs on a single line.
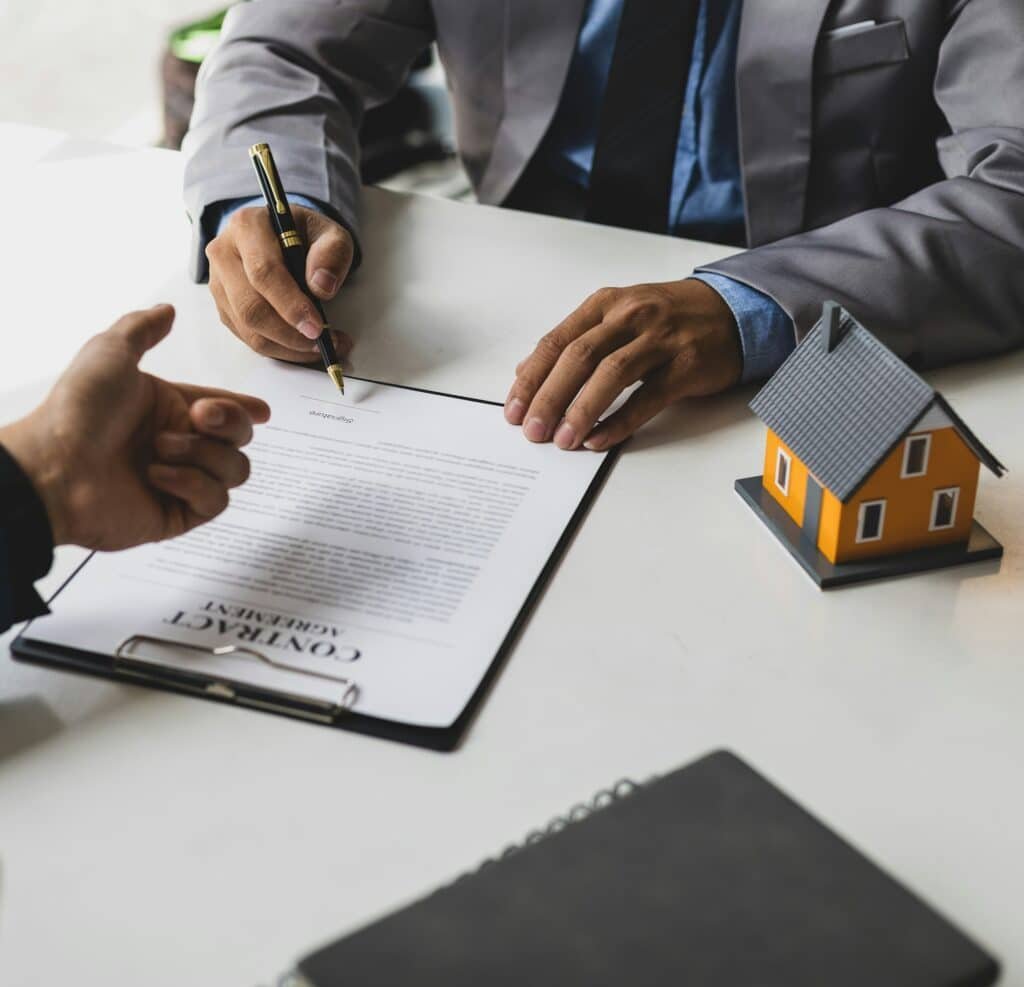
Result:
{"points": [[980, 545]]}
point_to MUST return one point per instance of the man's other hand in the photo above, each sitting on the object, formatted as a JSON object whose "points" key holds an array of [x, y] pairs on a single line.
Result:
{"points": [[120, 457], [679, 339], [259, 301]]}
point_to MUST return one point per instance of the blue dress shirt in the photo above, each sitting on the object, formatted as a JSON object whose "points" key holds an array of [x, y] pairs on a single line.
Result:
{"points": [[707, 193]]}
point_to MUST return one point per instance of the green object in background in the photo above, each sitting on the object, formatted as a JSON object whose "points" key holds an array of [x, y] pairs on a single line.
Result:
{"points": [[187, 48], [193, 42], [413, 128]]}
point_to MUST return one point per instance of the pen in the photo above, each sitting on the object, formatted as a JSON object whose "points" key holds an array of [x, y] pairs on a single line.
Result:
{"points": [[294, 248]]}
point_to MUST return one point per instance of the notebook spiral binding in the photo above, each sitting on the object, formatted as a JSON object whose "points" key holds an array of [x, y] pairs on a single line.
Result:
{"points": [[604, 798]]}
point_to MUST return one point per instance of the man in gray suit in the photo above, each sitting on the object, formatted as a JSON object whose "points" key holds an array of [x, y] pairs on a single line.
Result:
{"points": [[870, 151]]}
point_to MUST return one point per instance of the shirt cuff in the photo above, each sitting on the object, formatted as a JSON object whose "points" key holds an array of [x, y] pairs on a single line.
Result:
{"points": [[223, 211], [767, 334], [26, 544]]}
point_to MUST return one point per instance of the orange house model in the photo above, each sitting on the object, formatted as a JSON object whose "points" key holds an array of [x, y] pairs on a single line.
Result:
{"points": [[868, 471]]}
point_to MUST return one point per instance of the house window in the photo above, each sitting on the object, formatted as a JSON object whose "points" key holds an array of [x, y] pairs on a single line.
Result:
{"points": [[782, 463], [944, 503], [915, 455], [871, 521]]}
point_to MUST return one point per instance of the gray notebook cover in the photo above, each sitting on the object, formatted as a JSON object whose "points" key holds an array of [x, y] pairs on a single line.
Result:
{"points": [[709, 877]]}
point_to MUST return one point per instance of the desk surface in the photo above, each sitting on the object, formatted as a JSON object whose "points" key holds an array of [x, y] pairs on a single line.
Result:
{"points": [[147, 838]]}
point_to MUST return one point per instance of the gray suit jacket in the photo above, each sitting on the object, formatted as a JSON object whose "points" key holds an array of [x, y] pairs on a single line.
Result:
{"points": [[884, 169]]}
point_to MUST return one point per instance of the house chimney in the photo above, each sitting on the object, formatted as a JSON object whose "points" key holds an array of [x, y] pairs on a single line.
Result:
{"points": [[830, 316]]}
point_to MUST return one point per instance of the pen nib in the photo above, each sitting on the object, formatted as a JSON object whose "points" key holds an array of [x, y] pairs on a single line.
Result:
{"points": [[336, 375]]}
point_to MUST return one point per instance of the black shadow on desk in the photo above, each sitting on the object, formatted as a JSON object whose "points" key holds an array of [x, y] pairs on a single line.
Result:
{"points": [[25, 722]]}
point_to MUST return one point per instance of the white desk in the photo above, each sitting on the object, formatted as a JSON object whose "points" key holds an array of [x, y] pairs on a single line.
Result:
{"points": [[151, 839]]}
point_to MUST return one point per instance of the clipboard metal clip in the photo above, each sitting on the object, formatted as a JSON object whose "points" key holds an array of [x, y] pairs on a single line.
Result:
{"points": [[228, 688]]}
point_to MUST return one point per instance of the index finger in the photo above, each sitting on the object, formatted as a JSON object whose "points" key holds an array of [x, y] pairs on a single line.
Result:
{"points": [[534, 370], [256, 408], [266, 271], [219, 418]]}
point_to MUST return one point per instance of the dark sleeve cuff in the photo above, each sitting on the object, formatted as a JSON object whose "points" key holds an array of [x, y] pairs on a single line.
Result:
{"points": [[26, 544]]}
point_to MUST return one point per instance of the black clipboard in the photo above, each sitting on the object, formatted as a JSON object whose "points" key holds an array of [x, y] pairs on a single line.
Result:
{"points": [[122, 668]]}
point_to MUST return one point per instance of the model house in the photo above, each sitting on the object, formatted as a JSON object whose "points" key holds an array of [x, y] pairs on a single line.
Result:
{"points": [[864, 456]]}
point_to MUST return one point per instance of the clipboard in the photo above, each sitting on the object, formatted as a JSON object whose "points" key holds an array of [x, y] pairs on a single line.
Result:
{"points": [[128, 666]]}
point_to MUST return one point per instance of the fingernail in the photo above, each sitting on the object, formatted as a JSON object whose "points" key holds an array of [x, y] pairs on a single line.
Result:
{"points": [[173, 444], [596, 443], [514, 411], [213, 414], [535, 430], [324, 282], [309, 328], [565, 437]]}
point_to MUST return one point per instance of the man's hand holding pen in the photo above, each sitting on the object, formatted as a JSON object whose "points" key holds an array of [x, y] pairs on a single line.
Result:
{"points": [[257, 298]]}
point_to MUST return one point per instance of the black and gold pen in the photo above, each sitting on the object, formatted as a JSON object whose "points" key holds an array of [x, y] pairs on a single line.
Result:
{"points": [[294, 249]]}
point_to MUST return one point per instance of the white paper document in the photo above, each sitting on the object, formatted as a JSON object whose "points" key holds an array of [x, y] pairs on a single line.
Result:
{"points": [[389, 537]]}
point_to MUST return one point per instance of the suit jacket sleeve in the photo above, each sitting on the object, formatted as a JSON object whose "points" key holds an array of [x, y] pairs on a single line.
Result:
{"points": [[26, 544], [936, 276], [298, 74]]}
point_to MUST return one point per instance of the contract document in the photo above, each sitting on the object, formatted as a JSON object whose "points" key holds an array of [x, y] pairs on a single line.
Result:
{"points": [[379, 557]]}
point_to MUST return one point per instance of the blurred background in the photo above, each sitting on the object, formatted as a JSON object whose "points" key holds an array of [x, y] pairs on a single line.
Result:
{"points": [[123, 71], [92, 69]]}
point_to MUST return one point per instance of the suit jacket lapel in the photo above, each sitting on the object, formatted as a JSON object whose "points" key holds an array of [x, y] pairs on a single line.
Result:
{"points": [[774, 76], [540, 38]]}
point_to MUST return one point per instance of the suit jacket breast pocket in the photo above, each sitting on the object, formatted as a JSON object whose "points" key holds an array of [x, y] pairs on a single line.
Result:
{"points": [[840, 51], [859, 86], [860, 112]]}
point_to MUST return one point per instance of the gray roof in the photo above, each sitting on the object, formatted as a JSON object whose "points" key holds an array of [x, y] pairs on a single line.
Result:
{"points": [[842, 411]]}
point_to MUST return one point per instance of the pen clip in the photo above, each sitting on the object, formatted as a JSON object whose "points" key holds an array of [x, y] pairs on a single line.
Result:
{"points": [[266, 170]]}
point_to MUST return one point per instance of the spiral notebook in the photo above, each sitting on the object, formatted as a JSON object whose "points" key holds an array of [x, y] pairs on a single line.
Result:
{"points": [[708, 877]]}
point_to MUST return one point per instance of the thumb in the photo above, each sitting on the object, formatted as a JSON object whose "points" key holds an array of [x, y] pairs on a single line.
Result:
{"points": [[330, 254], [141, 331]]}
